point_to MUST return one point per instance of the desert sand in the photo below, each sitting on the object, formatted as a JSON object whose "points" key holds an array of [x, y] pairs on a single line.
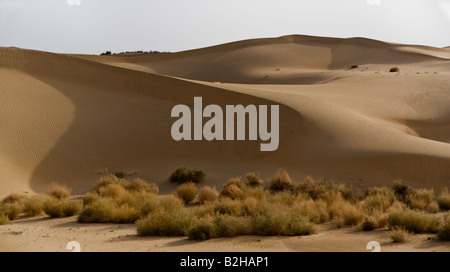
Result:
{"points": [[71, 118]]}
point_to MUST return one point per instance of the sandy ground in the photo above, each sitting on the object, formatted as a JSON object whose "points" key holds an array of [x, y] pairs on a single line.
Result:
{"points": [[43, 234], [71, 118]]}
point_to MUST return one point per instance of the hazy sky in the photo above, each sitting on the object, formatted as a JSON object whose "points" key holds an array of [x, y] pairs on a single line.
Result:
{"points": [[95, 26]]}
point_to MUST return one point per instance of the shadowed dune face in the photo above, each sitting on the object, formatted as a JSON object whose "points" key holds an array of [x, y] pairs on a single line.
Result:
{"points": [[70, 118]]}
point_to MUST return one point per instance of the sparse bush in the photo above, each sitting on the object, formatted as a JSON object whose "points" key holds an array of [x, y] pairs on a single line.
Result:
{"points": [[231, 191], [112, 190], [140, 185], [90, 198], [412, 220], [250, 205], [420, 199], [183, 175], [107, 180], [352, 215], [121, 175], [237, 182], [14, 198], [370, 223], [317, 211], [254, 180], [281, 222], [55, 207], [401, 190], [228, 206], [4, 220], [59, 191], [208, 194], [280, 181], [33, 205], [444, 231], [106, 210], [163, 223], [202, 229], [379, 199], [400, 235], [231, 226], [187, 192], [444, 200]]}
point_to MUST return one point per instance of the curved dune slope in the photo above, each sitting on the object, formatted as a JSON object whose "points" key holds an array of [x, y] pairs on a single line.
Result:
{"points": [[70, 118]]}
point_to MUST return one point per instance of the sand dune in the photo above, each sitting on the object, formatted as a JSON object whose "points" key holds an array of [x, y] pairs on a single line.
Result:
{"points": [[69, 118]]}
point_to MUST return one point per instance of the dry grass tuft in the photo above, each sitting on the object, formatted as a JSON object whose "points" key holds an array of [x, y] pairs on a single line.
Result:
{"points": [[140, 185], [186, 191], [59, 191], [281, 181], [208, 195]]}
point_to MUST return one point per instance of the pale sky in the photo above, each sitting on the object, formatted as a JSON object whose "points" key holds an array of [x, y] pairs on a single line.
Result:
{"points": [[95, 26]]}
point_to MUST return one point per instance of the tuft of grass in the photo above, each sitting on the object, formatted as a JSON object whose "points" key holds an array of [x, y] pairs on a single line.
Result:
{"points": [[14, 198], [370, 223], [231, 226], [231, 191], [107, 180], [420, 199], [34, 205], [55, 207], [112, 190], [280, 181], [106, 210], [317, 211], [401, 190], [140, 185], [400, 235], [163, 223], [379, 198], [352, 216], [183, 175], [444, 231], [443, 200], [413, 220], [59, 191], [228, 206], [202, 229], [4, 220], [281, 222], [186, 191], [254, 180], [11, 210], [237, 182], [208, 195]]}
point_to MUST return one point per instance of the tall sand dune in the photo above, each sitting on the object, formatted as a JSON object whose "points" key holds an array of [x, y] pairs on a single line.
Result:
{"points": [[343, 115]]}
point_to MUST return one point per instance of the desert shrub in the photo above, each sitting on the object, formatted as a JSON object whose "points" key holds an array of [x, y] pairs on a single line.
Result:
{"points": [[249, 205], [444, 231], [400, 235], [34, 205], [106, 210], [202, 229], [14, 198], [59, 191], [369, 223], [443, 200], [237, 182], [254, 180], [120, 174], [228, 206], [412, 220], [379, 198], [11, 210], [432, 207], [231, 191], [186, 191], [171, 204], [281, 222], [163, 223], [284, 198], [107, 180], [140, 185], [280, 181], [206, 210], [394, 69], [183, 175], [208, 194], [4, 220], [55, 207], [401, 190], [317, 211], [231, 226], [90, 198], [112, 190], [420, 199], [352, 215]]}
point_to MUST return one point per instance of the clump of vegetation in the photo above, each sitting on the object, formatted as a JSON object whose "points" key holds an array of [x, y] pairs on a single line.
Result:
{"points": [[14, 198], [106, 210], [140, 185], [34, 205], [443, 200], [208, 195], [59, 191], [400, 235], [401, 190], [254, 180], [421, 199], [183, 175], [444, 231], [231, 191], [281, 181], [55, 207], [202, 229], [187, 192], [413, 220], [107, 180]]}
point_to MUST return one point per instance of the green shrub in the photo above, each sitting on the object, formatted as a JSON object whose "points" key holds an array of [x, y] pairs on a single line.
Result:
{"points": [[412, 220], [186, 191], [55, 207], [183, 175]]}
